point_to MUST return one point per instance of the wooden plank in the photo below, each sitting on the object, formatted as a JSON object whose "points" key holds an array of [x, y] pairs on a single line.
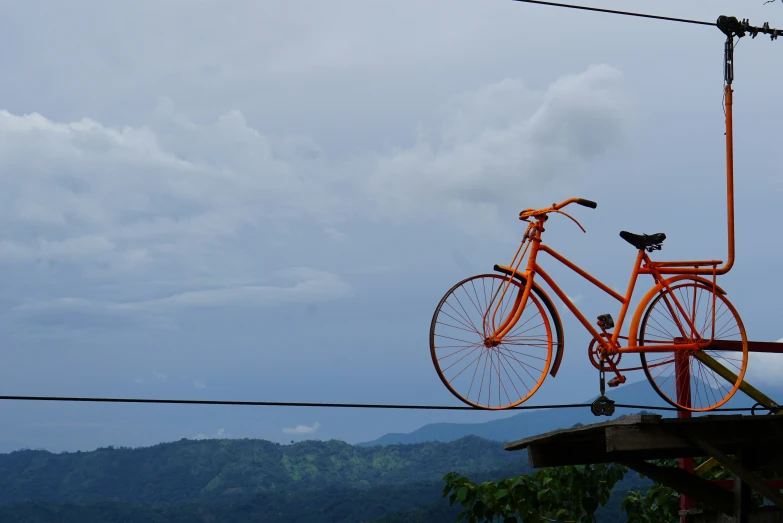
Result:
{"points": [[638, 438], [731, 433], [572, 432], [629, 439], [686, 483]]}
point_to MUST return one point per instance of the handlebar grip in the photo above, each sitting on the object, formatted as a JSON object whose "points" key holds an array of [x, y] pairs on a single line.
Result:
{"points": [[586, 203]]}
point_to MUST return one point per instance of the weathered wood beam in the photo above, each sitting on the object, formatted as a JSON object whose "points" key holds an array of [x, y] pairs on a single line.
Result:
{"points": [[740, 471], [686, 483], [745, 387]]}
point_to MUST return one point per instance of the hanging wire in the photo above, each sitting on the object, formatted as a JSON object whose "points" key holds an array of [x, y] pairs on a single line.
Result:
{"points": [[328, 405], [615, 12]]}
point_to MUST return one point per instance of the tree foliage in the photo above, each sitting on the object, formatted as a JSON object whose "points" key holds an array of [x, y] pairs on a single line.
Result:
{"points": [[561, 494], [571, 494], [224, 470]]}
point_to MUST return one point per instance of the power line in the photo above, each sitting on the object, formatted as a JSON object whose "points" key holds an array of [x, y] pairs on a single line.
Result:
{"points": [[612, 11], [273, 403], [321, 405]]}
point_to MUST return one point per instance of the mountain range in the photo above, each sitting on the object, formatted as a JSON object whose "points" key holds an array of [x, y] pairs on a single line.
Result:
{"points": [[200, 481], [396, 478], [531, 422]]}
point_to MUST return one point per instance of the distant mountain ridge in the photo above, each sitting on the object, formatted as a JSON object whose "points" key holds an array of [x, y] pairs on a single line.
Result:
{"points": [[217, 471], [207, 481], [244, 480], [530, 423]]}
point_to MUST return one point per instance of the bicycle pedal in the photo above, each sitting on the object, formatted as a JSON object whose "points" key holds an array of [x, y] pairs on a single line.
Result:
{"points": [[617, 380], [605, 321]]}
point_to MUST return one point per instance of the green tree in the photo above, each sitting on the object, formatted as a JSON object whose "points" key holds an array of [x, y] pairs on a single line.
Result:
{"points": [[559, 494], [570, 494]]}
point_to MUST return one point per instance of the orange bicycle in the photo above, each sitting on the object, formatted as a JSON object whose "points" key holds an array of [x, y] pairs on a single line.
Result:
{"points": [[492, 335]]}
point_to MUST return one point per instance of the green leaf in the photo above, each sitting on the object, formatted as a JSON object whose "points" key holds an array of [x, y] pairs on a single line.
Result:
{"points": [[500, 494], [462, 493]]}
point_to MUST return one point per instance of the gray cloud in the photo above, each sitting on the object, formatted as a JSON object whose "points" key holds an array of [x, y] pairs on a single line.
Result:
{"points": [[765, 368], [295, 285], [502, 139], [303, 429], [129, 197]]}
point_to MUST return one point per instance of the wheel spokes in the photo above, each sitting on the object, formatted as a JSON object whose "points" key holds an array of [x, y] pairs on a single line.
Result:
{"points": [[674, 373], [482, 372]]}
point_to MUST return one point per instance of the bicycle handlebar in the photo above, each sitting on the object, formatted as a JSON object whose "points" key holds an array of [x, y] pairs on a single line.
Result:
{"points": [[527, 213], [586, 203]]}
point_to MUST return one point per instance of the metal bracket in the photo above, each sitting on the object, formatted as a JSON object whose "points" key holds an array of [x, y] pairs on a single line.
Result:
{"points": [[602, 406]]}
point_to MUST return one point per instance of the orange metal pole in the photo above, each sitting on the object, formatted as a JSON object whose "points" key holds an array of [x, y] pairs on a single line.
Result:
{"points": [[677, 267], [729, 178]]}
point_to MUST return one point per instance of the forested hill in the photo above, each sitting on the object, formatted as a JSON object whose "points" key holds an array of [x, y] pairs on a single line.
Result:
{"points": [[223, 471], [239, 480]]}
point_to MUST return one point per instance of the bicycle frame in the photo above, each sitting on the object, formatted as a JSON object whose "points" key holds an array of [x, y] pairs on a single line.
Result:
{"points": [[642, 265]]}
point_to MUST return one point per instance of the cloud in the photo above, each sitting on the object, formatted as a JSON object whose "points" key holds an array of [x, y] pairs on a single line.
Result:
{"points": [[302, 429], [81, 314], [128, 197], [294, 285], [199, 384], [765, 368], [503, 144], [158, 375], [220, 434], [139, 381], [306, 285], [336, 235], [58, 425], [145, 220]]}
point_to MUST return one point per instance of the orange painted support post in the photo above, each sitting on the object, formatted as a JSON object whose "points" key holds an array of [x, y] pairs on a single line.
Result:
{"points": [[682, 373]]}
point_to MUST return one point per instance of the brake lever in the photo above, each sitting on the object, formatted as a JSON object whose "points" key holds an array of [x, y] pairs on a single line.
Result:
{"points": [[572, 219], [526, 219]]}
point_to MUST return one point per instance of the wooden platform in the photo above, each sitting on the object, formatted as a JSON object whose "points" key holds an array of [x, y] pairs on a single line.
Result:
{"points": [[643, 437], [756, 442]]}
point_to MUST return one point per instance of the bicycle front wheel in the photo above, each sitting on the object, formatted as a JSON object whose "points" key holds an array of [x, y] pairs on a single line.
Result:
{"points": [[483, 374], [679, 377]]}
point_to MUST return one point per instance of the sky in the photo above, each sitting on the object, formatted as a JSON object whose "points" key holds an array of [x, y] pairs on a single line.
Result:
{"points": [[266, 201]]}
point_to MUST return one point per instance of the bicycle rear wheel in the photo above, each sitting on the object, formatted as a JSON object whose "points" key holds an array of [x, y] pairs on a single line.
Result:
{"points": [[663, 323], [478, 373]]}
